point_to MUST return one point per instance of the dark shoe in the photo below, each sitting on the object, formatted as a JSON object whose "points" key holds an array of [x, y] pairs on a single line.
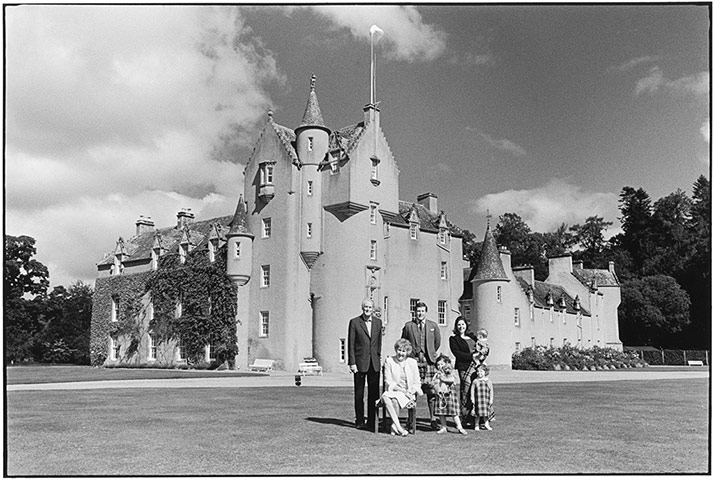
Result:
{"points": [[435, 425], [364, 426]]}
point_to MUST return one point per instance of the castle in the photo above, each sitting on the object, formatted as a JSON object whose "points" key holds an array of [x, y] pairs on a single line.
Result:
{"points": [[320, 227]]}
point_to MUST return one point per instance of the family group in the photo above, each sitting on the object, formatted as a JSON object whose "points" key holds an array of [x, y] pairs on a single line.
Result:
{"points": [[418, 369]]}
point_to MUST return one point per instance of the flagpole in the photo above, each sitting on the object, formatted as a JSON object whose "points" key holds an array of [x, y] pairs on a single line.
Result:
{"points": [[373, 31]]}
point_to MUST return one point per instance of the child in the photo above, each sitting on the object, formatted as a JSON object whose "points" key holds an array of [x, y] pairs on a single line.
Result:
{"points": [[481, 349], [447, 400], [482, 398], [478, 358]]}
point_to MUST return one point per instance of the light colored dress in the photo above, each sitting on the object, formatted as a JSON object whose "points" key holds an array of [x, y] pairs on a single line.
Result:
{"points": [[404, 375]]}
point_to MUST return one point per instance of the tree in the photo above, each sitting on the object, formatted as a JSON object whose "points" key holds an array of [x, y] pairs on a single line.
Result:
{"points": [[591, 237], [23, 276], [471, 248], [67, 322], [652, 311], [636, 209]]}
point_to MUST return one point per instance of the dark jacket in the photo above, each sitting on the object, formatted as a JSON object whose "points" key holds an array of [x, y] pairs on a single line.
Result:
{"points": [[461, 350], [432, 340], [364, 350]]}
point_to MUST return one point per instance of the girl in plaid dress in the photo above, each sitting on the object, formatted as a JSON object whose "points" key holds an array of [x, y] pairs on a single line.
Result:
{"points": [[482, 397], [447, 399]]}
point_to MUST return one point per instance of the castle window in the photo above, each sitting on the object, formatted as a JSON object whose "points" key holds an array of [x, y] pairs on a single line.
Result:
{"points": [[180, 349], [115, 309], [334, 170], [499, 295], [597, 322], [265, 276], [564, 316], [518, 346], [183, 250], [412, 307], [210, 352], [373, 214], [375, 169], [552, 342], [533, 343], [385, 226], [413, 231], [343, 350], [211, 251], [178, 310], [442, 236], [152, 346], [309, 230], [114, 348], [267, 227], [309, 188], [385, 310], [467, 311], [441, 312], [517, 316], [310, 144], [373, 249], [155, 258], [264, 323], [443, 271], [236, 250], [266, 174]]}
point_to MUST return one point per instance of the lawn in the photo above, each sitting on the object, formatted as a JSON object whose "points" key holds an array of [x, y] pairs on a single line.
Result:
{"points": [[590, 427], [74, 373]]}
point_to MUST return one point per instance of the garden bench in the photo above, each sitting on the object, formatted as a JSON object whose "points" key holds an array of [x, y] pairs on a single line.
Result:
{"points": [[262, 365], [309, 367], [695, 363]]}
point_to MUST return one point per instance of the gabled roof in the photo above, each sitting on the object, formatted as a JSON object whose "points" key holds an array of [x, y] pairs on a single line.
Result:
{"points": [[347, 138], [428, 221], [140, 247], [540, 294]]}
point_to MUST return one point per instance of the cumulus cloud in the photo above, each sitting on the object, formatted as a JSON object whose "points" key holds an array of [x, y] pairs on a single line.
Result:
{"points": [[501, 144], [656, 81], [545, 208], [116, 111], [406, 36]]}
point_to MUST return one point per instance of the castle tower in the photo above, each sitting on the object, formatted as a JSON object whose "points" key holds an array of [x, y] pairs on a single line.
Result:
{"points": [[311, 145], [491, 310]]}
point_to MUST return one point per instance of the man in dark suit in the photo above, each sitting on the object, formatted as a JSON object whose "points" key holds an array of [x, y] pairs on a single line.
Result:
{"points": [[364, 349], [425, 338]]}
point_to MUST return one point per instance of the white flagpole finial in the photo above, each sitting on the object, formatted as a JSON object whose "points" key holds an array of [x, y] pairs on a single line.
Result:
{"points": [[375, 30]]}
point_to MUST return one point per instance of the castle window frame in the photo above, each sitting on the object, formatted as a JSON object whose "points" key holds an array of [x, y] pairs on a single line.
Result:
{"points": [[309, 188], [499, 294], [180, 349], [308, 230], [236, 250], [210, 351], [183, 252], [518, 347], [267, 171], [374, 171], [441, 312], [517, 316], [373, 213], [264, 276], [373, 249], [412, 307], [212, 248], [153, 340], [114, 348], [413, 231], [310, 144], [386, 229], [267, 229], [343, 350], [444, 271], [115, 309], [264, 323], [155, 254], [467, 311]]}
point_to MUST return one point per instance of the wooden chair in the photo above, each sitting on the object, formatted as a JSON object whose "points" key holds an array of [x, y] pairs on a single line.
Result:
{"points": [[386, 419]]}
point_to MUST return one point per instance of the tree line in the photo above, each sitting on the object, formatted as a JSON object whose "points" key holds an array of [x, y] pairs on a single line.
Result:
{"points": [[41, 325], [662, 260]]}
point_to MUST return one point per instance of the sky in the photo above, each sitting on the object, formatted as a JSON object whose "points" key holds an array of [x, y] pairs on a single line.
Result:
{"points": [[112, 112]]}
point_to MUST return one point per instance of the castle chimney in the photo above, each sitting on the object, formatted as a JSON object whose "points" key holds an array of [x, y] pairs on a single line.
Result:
{"points": [[429, 201], [183, 218], [143, 225]]}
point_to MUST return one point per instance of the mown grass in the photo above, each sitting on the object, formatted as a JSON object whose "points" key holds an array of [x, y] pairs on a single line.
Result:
{"points": [[591, 427], [76, 373]]}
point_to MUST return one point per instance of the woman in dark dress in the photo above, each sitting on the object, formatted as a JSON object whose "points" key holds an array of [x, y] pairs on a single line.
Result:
{"points": [[462, 344]]}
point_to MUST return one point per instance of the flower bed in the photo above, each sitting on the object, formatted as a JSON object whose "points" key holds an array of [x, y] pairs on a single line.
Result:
{"points": [[568, 357]]}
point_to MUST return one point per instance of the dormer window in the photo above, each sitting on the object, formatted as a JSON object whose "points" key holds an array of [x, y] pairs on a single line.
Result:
{"points": [[266, 174], [155, 254], [183, 251], [413, 231], [442, 237], [118, 267], [212, 247], [334, 170]]}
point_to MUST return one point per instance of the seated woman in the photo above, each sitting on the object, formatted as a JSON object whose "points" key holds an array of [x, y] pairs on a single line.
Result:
{"points": [[401, 383]]}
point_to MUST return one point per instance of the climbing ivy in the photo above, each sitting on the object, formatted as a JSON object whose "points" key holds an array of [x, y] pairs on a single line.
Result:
{"points": [[208, 304]]}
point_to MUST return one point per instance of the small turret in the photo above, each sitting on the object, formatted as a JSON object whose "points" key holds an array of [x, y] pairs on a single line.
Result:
{"points": [[239, 261]]}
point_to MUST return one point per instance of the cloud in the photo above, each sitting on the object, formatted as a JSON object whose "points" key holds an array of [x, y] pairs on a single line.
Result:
{"points": [[545, 208], [655, 81], [500, 144], [631, 64], [123, 111], [406, 36], [706, 131]]}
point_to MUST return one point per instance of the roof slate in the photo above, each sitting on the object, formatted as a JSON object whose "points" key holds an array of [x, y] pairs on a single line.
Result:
{"points": [[600, 277], [489, 265]]}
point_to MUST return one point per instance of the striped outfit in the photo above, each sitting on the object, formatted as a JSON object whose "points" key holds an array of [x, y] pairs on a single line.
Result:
{"points": [[447, 402], [482, 397]]}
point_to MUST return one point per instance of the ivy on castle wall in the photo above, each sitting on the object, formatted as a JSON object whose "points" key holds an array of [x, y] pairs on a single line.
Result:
{"points": [[208, 299], [127, 291]]}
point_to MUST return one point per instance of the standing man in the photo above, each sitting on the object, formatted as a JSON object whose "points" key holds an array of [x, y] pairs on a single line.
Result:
{"points": [[364, 349], [425, 338]]}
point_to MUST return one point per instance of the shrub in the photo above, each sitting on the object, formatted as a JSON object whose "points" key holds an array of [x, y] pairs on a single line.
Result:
{"points": [[572, 358]]}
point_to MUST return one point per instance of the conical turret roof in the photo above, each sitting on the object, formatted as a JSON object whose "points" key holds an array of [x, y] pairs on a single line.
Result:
{"points": [[489, 265], [313, 115], [239, 224]]}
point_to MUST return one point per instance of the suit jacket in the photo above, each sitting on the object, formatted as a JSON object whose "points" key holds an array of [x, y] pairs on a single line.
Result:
{"points": [[432, 340], [461, 350], [364, 350]]}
